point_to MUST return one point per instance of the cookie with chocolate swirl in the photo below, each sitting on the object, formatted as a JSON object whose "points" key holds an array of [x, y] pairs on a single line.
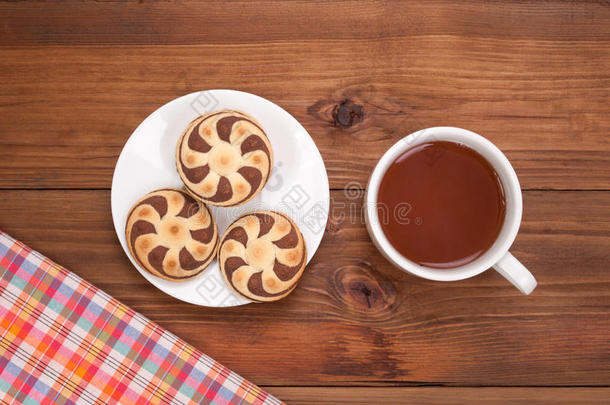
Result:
{"points": [[262, 256], [224, 158], [171, 235]]}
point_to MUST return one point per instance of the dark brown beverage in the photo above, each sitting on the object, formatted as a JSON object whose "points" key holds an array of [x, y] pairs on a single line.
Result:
{"points": [[441, 204]]}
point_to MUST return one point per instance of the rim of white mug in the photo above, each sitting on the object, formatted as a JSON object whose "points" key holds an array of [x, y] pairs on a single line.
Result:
{"points": [[508, 179]]}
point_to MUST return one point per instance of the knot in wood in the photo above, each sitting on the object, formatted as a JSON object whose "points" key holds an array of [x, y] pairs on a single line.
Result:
{"points": [[347, 113], [363, 289]]}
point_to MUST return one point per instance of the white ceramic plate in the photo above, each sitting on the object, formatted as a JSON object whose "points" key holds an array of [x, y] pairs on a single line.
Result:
{"points": [[298, 185]]}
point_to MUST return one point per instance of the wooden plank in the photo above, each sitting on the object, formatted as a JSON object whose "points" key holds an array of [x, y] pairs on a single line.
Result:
{"points": [[355, 319], [66, 111], [189, 21], [441, 395]]}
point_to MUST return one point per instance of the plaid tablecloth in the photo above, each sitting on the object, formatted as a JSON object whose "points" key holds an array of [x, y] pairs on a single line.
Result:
{"points": [[64, 341]]}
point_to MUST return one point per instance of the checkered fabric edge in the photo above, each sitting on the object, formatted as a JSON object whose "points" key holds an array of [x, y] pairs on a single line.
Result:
{"points": [[64, 341]]}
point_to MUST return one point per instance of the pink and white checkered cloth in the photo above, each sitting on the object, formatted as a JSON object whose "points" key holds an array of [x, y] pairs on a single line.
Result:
{"points": [[64, 341]]}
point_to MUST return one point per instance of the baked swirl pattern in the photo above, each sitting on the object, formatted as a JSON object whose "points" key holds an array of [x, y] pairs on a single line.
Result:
{"points": [[224, 158], [171, 235], [262, 256]]}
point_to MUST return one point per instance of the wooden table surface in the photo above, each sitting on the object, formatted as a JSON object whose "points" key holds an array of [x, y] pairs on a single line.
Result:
{"points": [[76, 78]]}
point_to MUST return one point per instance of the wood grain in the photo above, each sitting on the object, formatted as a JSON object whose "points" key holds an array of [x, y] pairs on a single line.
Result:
{"points": [[193, 22], [441, 395], [68, 110], [356, 320]]}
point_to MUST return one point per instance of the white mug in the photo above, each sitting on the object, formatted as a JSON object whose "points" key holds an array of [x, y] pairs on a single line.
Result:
{"points": [[497, 256]]}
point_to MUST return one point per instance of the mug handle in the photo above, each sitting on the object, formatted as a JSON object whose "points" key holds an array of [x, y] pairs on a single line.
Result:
{"points": [[512, 269]]}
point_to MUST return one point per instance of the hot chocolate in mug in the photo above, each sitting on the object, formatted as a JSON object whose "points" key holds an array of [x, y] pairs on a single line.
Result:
{"points": [[497, 256]]}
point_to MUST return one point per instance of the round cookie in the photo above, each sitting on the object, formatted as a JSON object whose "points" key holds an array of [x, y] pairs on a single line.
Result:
{"points": [[171, 235], [224, 158], [262, 256]]}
